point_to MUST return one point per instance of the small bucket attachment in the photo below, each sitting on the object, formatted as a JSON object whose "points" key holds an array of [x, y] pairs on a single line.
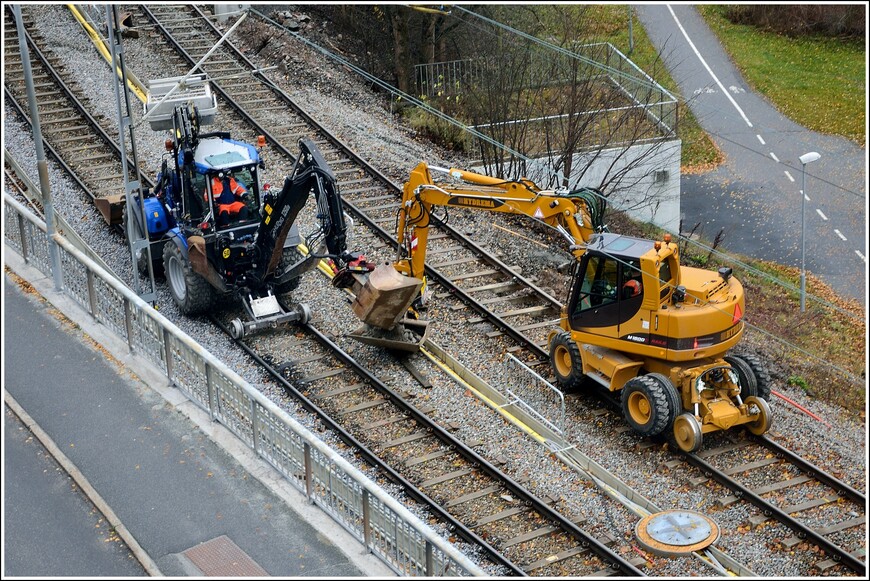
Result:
{"points": [[112, 208], [385, 297], [408, 335]]}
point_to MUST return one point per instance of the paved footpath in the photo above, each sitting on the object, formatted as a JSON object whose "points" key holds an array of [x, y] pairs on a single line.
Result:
{"points": [[172, 478], [755, 195]]}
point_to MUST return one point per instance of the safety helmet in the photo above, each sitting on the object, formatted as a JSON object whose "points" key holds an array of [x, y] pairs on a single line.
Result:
{"points": [[634, 286]]}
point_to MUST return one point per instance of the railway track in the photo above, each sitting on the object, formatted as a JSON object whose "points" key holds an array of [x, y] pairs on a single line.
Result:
{"points": [[816, 506], [374, 199], [72, 135], [482, 504]]}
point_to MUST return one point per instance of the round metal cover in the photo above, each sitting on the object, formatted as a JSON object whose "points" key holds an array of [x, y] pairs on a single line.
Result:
{"points": [[676, 532]]}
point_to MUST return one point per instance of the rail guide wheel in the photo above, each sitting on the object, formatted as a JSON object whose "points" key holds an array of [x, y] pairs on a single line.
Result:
{"points": [[674, 533]]}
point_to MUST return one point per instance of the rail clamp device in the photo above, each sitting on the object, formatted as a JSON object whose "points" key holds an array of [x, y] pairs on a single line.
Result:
{"points": [[195, 90]]}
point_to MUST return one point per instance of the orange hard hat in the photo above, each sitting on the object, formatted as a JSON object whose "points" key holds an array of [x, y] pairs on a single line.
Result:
{"points": [[634, 286]]}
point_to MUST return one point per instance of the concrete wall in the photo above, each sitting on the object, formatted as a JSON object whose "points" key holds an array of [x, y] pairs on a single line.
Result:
{"points": [[223, 11], [648, 186]]}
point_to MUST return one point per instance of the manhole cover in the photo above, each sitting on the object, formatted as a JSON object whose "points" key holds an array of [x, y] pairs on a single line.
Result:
{"points": [[221, 557], [676, 532]]}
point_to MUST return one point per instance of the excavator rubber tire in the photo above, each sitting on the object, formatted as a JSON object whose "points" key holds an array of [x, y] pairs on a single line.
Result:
{"points": [[753, 378], [675, 402], [191, 292], [762, 377], [646, 405], [565, 361]]}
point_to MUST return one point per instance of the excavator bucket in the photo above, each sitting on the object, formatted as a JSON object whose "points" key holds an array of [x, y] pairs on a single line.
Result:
{"points": [[111, 208], [382, 302]]}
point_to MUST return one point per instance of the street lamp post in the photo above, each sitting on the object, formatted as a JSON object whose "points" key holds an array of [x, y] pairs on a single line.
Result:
{"points": [[805, 159]]}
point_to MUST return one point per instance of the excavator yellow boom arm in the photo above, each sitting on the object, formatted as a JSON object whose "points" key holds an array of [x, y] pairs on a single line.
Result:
{"points": [[569, 212]]}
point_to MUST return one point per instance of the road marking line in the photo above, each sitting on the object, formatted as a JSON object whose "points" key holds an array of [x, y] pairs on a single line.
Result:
{"points": [[788, 175], [840, 234], [709, 70], [806, 197], [773, 155], [861, 256], [761, 140], [825, 218]]}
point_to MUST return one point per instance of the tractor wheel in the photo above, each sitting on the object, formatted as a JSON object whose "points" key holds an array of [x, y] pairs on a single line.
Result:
{"points": [[762, 423], [192, 293], [290, 256], [754, 379], [565, 361], [646, 405], [687, 433]]}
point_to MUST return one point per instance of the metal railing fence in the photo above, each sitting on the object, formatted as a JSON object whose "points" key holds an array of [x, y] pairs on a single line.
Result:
{"points": [[535, 394], [386, 528]]}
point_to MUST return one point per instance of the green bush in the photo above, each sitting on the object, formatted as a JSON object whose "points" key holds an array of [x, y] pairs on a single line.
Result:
{"points": [[438, 130]]}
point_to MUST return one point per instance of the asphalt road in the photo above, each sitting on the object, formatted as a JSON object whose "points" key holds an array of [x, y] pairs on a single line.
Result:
{"points": [[171, 485], [756, 194], [43, 508]]}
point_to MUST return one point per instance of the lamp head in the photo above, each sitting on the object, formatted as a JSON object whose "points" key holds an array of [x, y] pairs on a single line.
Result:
{"points": [[809, 157]]}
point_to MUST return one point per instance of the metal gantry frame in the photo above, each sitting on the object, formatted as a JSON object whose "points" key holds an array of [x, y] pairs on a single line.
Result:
{"points": [[138, 243]]}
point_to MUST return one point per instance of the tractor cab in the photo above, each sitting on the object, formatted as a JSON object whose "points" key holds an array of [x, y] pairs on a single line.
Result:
{"points": [[226, 180]]}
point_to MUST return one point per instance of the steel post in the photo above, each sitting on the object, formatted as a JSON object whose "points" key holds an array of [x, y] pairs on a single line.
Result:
{"points": [[42, 167]]}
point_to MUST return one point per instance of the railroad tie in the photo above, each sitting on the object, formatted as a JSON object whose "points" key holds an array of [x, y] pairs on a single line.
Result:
{"points": [[499, 516], [472, 496], [445, 478]]}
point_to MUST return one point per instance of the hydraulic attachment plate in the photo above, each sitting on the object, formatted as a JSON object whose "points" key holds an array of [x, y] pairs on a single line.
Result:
{"points": [[408, 335]]}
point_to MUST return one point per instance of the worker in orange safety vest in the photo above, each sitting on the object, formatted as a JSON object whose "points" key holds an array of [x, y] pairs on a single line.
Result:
{"points": [[229, 197]]}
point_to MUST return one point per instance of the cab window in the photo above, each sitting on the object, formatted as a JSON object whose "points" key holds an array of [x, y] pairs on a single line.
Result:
{"points": [[599, 285]]}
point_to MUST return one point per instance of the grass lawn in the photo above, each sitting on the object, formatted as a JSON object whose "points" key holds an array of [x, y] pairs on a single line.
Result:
{"points": [[699, 153], [816, 81]]}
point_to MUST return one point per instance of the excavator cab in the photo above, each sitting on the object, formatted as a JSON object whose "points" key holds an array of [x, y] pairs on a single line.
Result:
{"points": [[608, 286]]}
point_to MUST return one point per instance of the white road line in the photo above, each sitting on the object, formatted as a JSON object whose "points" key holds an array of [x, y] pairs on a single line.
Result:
{"points": [[825, 218], [788, 175], [773, 155], [861, 256], [761, 140], [806, 197], [709, 70], [840, 234]]}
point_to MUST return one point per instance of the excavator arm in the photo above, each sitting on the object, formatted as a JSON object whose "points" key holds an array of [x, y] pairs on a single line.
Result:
{"points": [[311, 173], [576, 214], [383, 298]]}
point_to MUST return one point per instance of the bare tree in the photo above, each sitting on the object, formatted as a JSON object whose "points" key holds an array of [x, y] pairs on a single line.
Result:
{"points": [[575, 109]]}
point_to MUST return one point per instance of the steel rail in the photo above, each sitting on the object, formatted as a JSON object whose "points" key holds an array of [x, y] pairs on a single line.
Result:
{"points": [[368, 456], [745, 493], [77, 106], [812, 470], [611, 559]]}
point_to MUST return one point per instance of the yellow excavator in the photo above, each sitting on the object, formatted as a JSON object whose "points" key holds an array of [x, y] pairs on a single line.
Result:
{"points": [[635, 320]]}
